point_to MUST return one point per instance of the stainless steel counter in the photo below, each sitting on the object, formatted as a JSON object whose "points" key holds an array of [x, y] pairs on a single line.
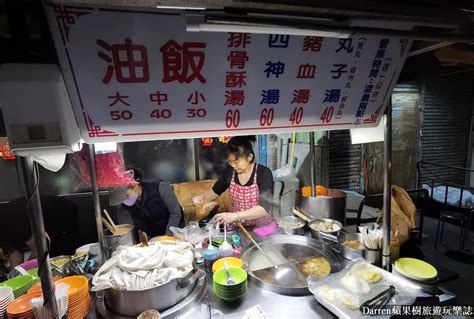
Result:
{"points": [[274, 305]]}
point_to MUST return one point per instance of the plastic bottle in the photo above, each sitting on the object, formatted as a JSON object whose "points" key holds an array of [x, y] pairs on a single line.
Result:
{"points": [[210, 256]]}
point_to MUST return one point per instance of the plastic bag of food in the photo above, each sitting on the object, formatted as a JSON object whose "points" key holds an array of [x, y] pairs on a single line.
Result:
{"points": [[110, 169], [191, 233], [345, 291]]}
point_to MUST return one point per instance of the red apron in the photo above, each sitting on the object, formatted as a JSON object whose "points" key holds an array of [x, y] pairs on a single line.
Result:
{"points": [[247, 197]]}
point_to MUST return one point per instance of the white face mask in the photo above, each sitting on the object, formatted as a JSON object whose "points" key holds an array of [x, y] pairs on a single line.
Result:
{"points": [[130, 201]]}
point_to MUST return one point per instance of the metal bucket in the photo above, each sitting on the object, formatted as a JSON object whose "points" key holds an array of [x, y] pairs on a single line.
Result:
{"points": [[113, 241], [351, 253], [132, 303], [332, 206], [294, 230]]}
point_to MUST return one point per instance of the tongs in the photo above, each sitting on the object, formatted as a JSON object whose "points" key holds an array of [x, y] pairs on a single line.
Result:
{"points": [[379, 301]]}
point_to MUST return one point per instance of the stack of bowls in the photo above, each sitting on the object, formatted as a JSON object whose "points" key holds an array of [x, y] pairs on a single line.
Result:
{"points": [[231, 261], [79, 300], [21, 308], [418, 272], [19, 285], [6, 298], [230, 292], [36, 288]]}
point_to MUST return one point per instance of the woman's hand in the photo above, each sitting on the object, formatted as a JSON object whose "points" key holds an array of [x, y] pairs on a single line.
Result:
{"points": [[227, 218], [198, 199]]}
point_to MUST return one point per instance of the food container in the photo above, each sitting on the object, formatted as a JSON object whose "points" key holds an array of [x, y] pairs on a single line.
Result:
{"points": [[60, 263], [351, 253], [126, 238], [332, 206], [315, 233], [373, 256], [131, 303], [286, 222]]}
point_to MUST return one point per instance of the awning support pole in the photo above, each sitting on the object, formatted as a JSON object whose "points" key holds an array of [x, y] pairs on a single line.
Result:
{"points": [[387, 187], [35, 215], [196, 144], [313, 163], [96, 201]]}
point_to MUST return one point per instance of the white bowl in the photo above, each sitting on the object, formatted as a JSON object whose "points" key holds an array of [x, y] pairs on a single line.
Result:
{"points": [[5, 292]]}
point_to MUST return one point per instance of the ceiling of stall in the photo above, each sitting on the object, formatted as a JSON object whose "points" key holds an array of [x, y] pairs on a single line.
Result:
{"points": [[434, 24]]}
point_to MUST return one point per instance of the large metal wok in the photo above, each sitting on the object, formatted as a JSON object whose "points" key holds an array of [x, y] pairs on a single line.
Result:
{"points": [[131, 303], [288, 250]]}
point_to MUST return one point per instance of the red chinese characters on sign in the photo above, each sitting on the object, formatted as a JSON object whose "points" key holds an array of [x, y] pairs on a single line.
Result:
{"points": [[301, 96], [207, 141], [128, 61], [183, 63], [235, 79], [195, 97], [158, 97], [6, 153], [238, 40], [237, 59], [306, 71], [234, 97], [312, 44]]}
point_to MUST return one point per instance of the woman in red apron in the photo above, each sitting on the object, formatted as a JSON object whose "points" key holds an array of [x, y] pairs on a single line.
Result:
{"points": [[250, 187]]}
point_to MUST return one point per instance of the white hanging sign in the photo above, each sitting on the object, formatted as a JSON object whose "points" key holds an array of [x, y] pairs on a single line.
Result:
{"points": [[140, 76]]}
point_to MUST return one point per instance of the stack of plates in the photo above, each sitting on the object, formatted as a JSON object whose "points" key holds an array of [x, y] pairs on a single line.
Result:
{"points": [[37, 287], [79, 300], [6, 298], [21, 308], [19, 285], [230, 292], [418, 272]]}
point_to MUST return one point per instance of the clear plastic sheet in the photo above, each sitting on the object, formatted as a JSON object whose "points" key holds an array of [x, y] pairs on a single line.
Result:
{"points": [[345, 301]]}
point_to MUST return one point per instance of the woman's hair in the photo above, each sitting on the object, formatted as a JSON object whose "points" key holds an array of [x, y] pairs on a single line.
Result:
{"points": [[240, 146]]}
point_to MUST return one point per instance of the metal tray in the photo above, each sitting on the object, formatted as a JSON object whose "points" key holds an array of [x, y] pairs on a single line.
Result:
{"points": [[287, 249], [406, 292]]}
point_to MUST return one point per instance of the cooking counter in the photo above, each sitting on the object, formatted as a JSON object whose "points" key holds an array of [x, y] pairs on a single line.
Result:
{"points": [[274, 305]]}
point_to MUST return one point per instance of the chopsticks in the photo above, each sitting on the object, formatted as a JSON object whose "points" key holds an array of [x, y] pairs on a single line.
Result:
{"points": [[109, 222], [372, 238], [109, 226]]}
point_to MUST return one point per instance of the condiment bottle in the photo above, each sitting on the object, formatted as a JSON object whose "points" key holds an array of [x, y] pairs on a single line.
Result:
{"points": [[210, 256]]}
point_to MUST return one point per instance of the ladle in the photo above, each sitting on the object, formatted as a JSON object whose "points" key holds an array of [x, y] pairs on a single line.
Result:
{"points": [[284, 274]]}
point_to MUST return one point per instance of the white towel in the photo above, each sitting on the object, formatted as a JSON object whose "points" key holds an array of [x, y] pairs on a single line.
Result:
{"points": [[138, 268]]}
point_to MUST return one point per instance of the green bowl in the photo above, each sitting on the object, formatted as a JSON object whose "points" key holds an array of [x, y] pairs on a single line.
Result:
{"points": [[33, 272], [232, 297], [220, 278], [18, 282]]}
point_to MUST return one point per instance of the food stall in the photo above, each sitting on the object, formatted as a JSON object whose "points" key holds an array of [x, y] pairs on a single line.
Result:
{"points": [[200, 78]]}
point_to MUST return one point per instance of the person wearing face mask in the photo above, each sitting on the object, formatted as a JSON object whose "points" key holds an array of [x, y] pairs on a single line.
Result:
{"points": [[250, 186], [150, 205]]}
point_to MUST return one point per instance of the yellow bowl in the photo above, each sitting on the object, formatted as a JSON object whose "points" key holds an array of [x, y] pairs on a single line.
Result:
{"points": [[231, 261]]}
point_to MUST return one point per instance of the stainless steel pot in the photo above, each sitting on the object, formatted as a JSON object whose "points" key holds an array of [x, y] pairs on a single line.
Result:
{"points": [[315, 233], [131, 303], [332, 206], [351, 253], [289, 230], [113, 241]]}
